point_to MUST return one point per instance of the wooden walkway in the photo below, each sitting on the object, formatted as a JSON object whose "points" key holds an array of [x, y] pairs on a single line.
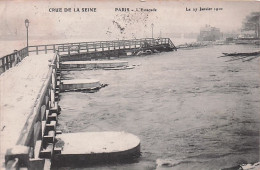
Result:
{"points": [[27, 103], [101, 46], [29, 97], [83, 48]]}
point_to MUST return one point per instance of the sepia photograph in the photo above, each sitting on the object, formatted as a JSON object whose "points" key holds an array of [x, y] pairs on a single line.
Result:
{"points": [[130, 85]]}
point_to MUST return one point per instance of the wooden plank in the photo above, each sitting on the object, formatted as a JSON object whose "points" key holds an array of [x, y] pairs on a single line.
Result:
{"points": [[53, 117], [12, 164], [43, 127], [47, 164], [37, 148], [6, 63], [51, 126], [3, 64], [47, 152], [50, 137], [36, 164], [27, 51], [43, 112], [37, 132]]}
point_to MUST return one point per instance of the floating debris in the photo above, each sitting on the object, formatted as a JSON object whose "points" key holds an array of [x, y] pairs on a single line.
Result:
{"points": [[241, 56], [119, 68]]}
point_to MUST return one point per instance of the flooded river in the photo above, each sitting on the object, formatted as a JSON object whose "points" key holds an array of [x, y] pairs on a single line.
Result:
{"points": [[191, 109]]}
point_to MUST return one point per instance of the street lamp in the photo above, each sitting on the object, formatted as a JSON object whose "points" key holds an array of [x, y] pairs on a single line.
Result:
{"points": [[27, 25], [152, 29]]}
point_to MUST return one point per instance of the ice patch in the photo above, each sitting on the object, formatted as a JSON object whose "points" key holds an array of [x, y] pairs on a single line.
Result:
{"points": [[254, 166], [167, 163]]}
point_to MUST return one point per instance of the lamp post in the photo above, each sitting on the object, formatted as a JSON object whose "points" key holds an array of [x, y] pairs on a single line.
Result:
{"points": [[27, 25], [152, 29]]}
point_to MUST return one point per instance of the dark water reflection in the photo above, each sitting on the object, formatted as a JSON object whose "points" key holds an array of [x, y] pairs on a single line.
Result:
{"points": [[190, 109]]}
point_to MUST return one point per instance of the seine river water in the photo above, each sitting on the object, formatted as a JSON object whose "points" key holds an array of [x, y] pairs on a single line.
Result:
{"points": [[191, 109]]}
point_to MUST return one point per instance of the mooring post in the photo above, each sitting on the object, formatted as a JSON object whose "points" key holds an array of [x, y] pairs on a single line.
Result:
{"points": [[78, 49], [11, 60], [7, 63], [108, 44], [69, 50], [102, 46]]}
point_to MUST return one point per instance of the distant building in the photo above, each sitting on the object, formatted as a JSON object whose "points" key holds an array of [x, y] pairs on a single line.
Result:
{"points": [[251, 26], [209, 33], [248, 34]]}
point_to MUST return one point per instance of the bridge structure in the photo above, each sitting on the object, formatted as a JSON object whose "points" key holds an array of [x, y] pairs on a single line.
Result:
{"points": [[88, 50], [34, 147]]}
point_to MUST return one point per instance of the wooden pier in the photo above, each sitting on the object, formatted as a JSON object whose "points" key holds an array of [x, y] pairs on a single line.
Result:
{"points": [[112, 49], [34, 146], [89, 50]]}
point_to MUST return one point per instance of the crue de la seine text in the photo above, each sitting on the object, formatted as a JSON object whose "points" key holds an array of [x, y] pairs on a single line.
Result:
{"points": [[72, 9]]}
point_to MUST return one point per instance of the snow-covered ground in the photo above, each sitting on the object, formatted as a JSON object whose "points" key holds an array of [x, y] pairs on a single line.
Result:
{"points": [[19, 88], [97, 142]]}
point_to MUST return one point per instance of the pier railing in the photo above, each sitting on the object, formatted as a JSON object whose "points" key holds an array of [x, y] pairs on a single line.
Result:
{"points": [[37, 136], [14, 58], [90, 47]]}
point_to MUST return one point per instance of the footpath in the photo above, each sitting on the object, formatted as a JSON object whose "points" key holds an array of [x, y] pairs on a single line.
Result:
{"points": [[19, 89]]}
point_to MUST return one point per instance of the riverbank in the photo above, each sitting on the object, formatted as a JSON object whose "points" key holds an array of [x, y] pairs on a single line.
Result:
{"points": [[201, 44]]}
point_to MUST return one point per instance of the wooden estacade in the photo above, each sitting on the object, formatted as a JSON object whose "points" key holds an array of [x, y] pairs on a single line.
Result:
{"points": [[116, 47], [35, 145]]}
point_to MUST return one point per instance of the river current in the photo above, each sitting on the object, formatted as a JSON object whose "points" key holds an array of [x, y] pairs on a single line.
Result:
{"points": [[191, 109]]}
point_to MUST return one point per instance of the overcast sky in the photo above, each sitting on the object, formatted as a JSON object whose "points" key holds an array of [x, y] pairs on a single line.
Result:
{"points": [[170, 17]]}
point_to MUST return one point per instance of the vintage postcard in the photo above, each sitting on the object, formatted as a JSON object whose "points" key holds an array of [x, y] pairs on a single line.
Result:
{"points": [[133, 84]]}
